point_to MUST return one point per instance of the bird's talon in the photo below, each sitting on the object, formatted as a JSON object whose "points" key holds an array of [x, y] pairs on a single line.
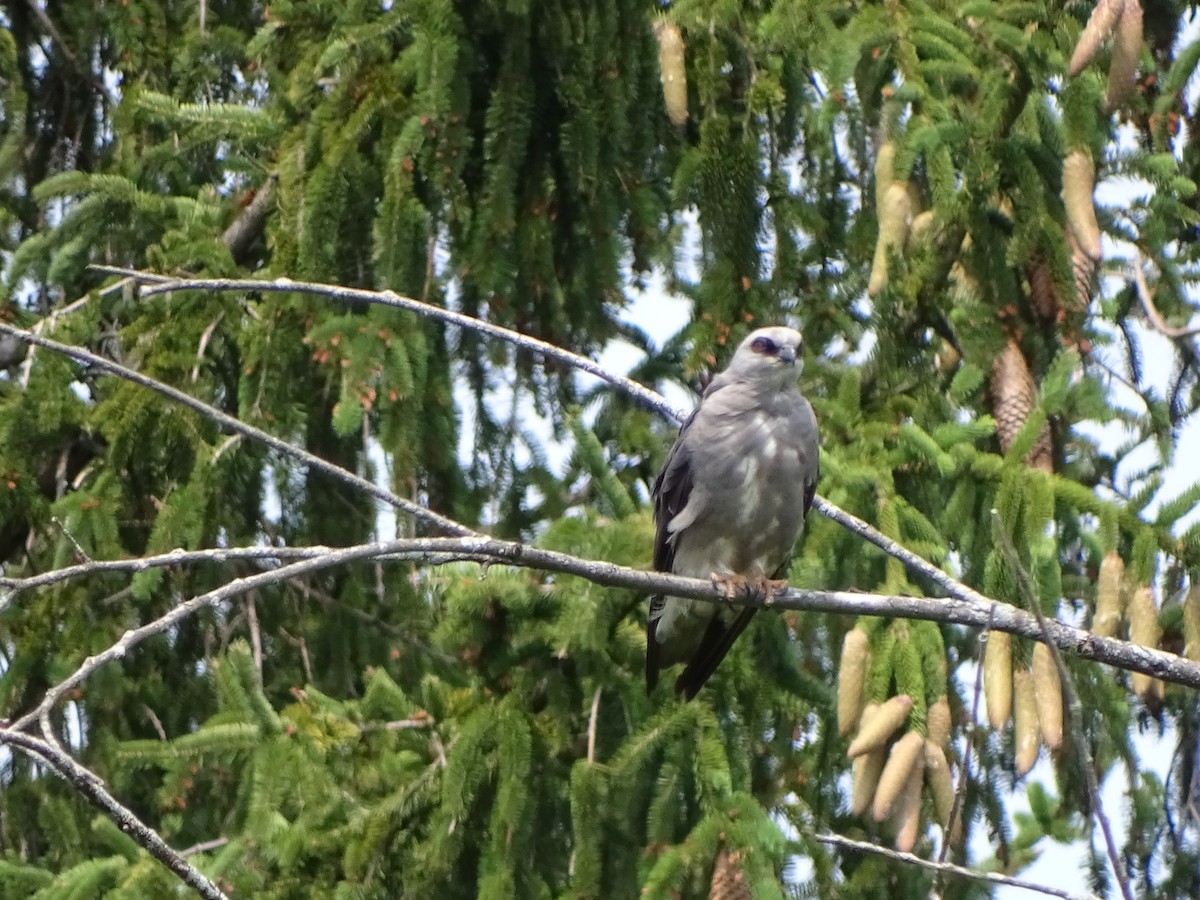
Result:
{"points": [[730, 585], [772, 588]]}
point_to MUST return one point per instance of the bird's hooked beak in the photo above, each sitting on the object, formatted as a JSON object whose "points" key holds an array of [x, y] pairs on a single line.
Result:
{"points": [[787, 355]]}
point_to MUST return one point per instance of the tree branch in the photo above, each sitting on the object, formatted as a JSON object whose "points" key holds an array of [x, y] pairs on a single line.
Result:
{"points": [[88, 784], [846, 843], [231, 423], [164, 284], [160, 284], [430, 551], [1146, 298]]}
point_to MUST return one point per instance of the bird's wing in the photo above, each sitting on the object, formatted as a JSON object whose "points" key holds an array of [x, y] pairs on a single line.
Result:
{"points": [[671, 493]]}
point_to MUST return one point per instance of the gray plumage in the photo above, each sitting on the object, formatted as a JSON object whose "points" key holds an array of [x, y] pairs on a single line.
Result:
{"points": [[731, 500]]}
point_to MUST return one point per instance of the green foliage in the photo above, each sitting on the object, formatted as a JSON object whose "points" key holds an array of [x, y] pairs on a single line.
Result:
{"points": [[381, 731]]}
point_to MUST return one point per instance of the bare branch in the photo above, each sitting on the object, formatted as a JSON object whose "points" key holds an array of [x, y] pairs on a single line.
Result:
{"points": [[1146, 298], [86, 782], [592, 720], [204, 847], [953, 587], [1074, 706], [846, 843], [231, 423], [161, 284], [238, 586], [1001, 616], [15, 586]]}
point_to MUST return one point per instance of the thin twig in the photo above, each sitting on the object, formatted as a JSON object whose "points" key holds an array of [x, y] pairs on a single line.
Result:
{"points": [[592, 720], [953, 587], [70, 537], [51, 319], [234, 424], [402, 724], [1003, 617], [846, 843], [255, 634], [1146, 298], [1074, 707], [238, 586], [86, 782], [56, 38], [204, 847], [15, 586]]}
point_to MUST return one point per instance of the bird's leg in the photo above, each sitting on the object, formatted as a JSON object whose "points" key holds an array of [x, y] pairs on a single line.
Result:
{"points": [[761, 589]]}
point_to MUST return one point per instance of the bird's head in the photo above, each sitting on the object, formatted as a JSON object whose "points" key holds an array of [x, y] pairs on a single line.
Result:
{"points": [[772, 355]]}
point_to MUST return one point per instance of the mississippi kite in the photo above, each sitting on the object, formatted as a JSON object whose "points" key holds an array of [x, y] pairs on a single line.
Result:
{"points": [[730, 502]]}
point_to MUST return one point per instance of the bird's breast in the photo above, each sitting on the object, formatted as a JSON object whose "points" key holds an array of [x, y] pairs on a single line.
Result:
{"points": [[753, 477]]}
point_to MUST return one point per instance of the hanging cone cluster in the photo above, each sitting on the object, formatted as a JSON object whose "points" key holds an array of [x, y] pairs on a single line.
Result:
{"points": [[728, 882], [1013, 397], [889, 771], [1119, 601], [1122, 18], [901, 741], [1031, 697]]}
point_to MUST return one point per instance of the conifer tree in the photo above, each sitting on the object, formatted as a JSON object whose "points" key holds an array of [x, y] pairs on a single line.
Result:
{"points": [[928, 189]]}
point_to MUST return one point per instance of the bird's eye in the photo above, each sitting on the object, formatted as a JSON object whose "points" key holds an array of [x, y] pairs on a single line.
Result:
{"points": [[765, 346]]}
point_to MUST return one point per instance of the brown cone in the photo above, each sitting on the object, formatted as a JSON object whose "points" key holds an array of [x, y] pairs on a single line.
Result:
{"points": [[728, 882], [1043, 293], [1013, 396], [1084, 268]]}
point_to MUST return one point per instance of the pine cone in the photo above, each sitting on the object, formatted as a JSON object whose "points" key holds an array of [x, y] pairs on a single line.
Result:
{"points": [[1127, 48], [1144, 629], [1026, 730], [856, 649], [1110, 595], [937, 722], [1079, 185], [1047, 697], [1099, 26], [1084, 268], [1013, 397], [1043, 292], [998, 678], [672, 70], [728, 882], [1191, 624]]}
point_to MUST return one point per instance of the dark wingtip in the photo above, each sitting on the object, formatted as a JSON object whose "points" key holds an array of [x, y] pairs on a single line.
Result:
{"points": [[651, 658], [686, 687]]}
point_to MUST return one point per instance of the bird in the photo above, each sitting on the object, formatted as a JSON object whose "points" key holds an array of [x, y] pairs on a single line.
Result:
{"points": [[731, 501]]}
